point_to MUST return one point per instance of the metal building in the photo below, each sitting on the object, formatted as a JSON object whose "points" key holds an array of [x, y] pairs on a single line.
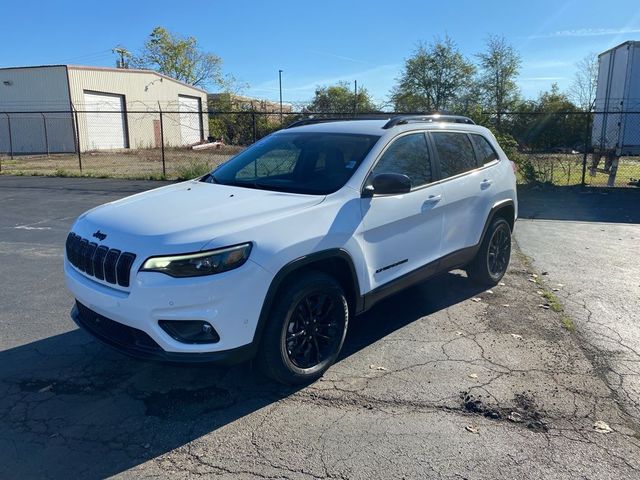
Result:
{"points": [[55, 108]]}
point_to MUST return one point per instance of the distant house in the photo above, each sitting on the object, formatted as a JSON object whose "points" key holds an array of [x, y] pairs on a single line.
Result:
{"points": [[53, 108]]}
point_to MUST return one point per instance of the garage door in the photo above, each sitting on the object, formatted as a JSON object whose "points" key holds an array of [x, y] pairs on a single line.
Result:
{"points": [[106, 125], [190, 120]]}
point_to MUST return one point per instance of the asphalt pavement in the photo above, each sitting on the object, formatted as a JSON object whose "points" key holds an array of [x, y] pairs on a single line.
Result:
{"points": [[441, 381], [588, 242]]}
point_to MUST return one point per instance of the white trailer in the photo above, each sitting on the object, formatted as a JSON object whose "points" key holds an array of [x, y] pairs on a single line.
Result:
{"points": [[616, 123]]}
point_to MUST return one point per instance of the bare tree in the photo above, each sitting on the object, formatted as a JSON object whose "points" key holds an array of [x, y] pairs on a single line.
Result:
{"points": [[585, 81]]}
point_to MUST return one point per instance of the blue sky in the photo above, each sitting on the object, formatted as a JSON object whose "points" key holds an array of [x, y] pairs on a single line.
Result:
{"points": [[321, 42]]}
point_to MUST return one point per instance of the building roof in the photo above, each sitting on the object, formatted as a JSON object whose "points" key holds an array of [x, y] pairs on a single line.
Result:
{"points": [[108, 69], [628, 42]]}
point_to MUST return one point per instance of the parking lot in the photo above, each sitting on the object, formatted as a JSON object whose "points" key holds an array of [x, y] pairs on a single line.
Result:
{"points": [[441, 381]]}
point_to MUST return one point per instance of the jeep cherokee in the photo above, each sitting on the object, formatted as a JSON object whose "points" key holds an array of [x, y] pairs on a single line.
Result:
{"points": [[272, 253]]}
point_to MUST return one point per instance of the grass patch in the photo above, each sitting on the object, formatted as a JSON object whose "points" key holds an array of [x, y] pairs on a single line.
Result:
{"points": [[566, 169], [193, 169], [69, 174], [552, 300], [567, 323]]}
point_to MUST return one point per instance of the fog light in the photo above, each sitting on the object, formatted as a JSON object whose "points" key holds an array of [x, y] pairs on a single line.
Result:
{"points": [[190, 331]]}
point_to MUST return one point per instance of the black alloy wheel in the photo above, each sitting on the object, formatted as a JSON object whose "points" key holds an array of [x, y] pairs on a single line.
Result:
{"points": [[492, 259], [314, 330], [499, 251], [305, 330]]}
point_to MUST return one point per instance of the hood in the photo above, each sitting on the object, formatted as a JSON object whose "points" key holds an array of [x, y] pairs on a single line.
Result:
{"points": [[187, 214]]}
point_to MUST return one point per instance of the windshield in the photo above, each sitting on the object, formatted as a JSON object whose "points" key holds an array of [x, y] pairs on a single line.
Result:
{"points": [[312, 163]]}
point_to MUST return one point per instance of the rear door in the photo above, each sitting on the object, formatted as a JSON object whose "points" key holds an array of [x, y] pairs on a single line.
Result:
{"points": [[465, 189], [401, 233]]}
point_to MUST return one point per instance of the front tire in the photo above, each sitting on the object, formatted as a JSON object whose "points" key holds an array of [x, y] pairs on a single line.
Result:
{"points": [[491, 262], [305, 330]]}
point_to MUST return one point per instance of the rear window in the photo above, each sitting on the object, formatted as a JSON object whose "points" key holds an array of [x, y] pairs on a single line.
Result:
{"points": [[484, 150], [455, 153]]}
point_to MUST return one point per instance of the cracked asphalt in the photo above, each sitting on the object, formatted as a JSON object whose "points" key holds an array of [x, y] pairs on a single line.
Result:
{"points": [[441, 381], [592, 251]]}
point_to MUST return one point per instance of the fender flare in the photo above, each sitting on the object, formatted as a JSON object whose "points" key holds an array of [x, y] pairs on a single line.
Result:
{"points": [[295, 265], [492, 213]]}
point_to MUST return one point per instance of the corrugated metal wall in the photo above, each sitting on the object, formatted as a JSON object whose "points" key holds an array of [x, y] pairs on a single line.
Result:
{"points": [[144, 93], [41, 90]]}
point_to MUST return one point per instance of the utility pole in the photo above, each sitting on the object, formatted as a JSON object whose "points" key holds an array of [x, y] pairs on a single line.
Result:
{"points": [[124, 55], [280, 83], [355, 97]]}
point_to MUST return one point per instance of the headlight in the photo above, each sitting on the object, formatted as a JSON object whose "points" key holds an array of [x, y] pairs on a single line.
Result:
{"points": [[200, 263]]}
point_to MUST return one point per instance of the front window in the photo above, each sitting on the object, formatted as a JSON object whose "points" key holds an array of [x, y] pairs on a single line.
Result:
{"points": [[311, 163], [408, 155]]}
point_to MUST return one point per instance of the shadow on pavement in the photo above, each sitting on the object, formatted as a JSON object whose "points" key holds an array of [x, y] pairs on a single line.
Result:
{"points": [[577, 204], [70, 407]]}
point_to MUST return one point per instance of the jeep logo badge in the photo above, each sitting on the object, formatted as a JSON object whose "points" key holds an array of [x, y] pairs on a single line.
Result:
{"points": [[99, 235]]}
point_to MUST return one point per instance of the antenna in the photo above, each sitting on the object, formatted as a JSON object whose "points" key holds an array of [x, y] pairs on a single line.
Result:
{"points": [[125, 55]]}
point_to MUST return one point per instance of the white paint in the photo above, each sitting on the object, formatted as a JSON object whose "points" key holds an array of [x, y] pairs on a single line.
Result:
{"points": [[26, 227]]}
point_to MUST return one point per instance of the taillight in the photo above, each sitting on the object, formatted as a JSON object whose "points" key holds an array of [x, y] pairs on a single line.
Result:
{"points": [[514, 166]]}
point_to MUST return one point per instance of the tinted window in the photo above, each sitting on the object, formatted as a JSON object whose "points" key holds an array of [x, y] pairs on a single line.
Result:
{"points": [[484, 150], [313, 163], [409, 156], [455, 153]]}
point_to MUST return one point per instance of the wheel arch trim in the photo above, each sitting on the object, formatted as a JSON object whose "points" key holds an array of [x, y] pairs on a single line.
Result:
{"points": [[296, 265], [492, 214]]}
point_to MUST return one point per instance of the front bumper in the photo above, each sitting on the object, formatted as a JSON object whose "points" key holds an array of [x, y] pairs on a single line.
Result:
{"points": [[137, 344], [231, 302]]}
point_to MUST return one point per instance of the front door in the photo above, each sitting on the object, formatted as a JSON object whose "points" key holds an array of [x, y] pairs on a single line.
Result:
{"points": [[402, 233]]}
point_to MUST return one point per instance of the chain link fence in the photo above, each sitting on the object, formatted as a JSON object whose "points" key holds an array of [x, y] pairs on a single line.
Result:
{"points": [[561, 148]]}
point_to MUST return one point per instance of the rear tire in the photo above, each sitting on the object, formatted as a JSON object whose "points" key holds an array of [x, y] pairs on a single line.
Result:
{"points": [[305, 330], [491, 262]]}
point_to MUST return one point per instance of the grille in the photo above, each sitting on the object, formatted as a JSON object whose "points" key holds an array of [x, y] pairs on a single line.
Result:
{"points": [[101, 262]]}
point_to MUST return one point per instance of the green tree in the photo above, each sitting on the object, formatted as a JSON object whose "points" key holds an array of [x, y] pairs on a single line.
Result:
{"points": [[499, 67], [551, 122], [237, 122], [434, 79], [340, 98], [180, 58]]}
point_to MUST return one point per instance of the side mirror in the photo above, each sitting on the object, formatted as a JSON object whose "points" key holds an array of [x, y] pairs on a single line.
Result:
{"points": [[388, 184]]}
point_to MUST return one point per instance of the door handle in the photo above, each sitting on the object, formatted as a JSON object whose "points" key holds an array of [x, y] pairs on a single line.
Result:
{"points": [[431, 201], [486, 183]]}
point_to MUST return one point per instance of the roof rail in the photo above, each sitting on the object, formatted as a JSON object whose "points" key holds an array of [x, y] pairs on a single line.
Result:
{"points": [[313, 120], [404, 119]]}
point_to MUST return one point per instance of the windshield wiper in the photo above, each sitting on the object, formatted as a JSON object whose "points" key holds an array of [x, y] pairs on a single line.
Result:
{"points": [[256, 185]]}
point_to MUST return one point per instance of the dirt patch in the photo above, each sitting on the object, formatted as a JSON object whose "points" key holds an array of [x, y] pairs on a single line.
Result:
{"points": [[524, 410]]}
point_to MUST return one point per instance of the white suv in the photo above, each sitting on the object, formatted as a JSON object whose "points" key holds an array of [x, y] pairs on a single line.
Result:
{"points": [[273, 252]]}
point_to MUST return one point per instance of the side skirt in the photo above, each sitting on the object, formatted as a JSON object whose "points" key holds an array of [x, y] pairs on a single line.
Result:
{"points": [[454, 260]]}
